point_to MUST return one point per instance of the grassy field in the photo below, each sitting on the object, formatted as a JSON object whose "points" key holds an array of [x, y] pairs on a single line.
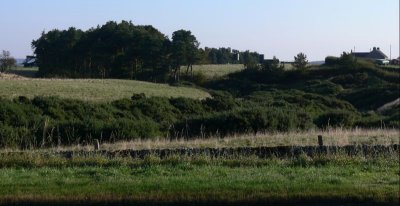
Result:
{"points": [[201, 181], [96, 90], [215, 70], [44, 177]]}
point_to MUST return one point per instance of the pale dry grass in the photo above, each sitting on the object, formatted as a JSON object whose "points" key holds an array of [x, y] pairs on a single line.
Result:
{"points": [[6, 76], [331, 137]]}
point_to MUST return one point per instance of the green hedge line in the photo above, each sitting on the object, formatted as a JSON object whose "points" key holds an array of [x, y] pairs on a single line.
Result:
{"points": [[51, 121]]}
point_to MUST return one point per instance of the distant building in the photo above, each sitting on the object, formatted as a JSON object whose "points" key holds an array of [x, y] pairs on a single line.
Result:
{"points": [[395, 61], [261, 58], [375, 54]]}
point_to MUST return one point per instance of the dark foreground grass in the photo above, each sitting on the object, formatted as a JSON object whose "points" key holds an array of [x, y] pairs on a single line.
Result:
{"points": [[329, 180]]}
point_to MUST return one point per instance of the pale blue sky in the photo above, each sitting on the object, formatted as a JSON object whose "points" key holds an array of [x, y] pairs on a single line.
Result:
{"points": [[273, 27]]}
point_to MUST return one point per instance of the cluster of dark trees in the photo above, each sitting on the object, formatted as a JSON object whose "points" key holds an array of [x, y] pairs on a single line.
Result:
{"points": [[118, 50], [125, 50], [228, 56]]}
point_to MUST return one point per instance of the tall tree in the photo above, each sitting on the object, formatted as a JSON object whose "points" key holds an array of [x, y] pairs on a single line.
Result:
{"points": [[300, 61], [6, 61], [184, 51], [250, 59]]}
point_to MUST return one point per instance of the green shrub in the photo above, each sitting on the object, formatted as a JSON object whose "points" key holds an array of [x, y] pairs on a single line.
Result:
{"points": [[330, 60], [220, 101], [322, 87], [337, 118], [199, 78]]}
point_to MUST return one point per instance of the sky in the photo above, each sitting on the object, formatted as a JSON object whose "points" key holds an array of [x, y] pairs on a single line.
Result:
{"points": [[280, 28]]}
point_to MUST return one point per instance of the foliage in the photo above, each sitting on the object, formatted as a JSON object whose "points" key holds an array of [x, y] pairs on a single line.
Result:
{"points": [[51, 121], [330, 60], [6, 61], [336, 118], [112, 50], [126, 51], [250, 59], [184, 51], [300, 61], [347, 60], [273, 66]]}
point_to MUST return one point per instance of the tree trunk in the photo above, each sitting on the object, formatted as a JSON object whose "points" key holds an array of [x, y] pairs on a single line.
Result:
{"points": [[187, 70]]}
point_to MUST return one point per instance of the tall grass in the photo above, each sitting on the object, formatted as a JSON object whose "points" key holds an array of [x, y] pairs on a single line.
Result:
{"points": [[335, 137], [331, 137]]}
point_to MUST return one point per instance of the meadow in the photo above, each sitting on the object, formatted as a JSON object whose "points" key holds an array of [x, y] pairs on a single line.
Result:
{"points": [[199, 180], [213, 71], [44, 177], [93, 90]]}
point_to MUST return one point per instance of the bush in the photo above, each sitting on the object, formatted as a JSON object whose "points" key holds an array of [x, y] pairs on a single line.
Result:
{"points": [[187, 106], [322, 87], [330, 60], [336, 118], [243, 121], [220, 101], [199, 78]]}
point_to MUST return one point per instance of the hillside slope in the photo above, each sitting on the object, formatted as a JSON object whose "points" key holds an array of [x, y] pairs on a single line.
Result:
{"points": [[95, 90]]}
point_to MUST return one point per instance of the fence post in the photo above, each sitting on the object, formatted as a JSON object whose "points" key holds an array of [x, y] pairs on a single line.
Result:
{"points": [[320, 142], [96, 145]]}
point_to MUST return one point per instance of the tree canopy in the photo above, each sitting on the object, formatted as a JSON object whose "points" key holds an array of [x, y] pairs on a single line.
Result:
{"points": [[127, 51], [300, 61], [116, 50]]}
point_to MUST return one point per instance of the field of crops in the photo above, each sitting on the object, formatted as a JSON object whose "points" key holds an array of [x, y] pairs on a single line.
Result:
{"points": [[96, 90]]}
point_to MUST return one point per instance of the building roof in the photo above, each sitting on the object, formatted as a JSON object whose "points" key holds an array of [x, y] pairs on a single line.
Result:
{"points": [[360, 54], [376, 53]]}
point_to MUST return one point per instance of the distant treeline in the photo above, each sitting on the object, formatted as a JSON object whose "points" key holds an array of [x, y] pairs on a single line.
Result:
{"points": [[128, 51]]}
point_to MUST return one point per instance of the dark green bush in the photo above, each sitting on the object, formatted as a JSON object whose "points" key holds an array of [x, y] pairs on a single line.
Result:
{"points": [[243, 121], [371, 98], [187, 106], [330, 60], [220, 101], [337, 118], [322, 87]]}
